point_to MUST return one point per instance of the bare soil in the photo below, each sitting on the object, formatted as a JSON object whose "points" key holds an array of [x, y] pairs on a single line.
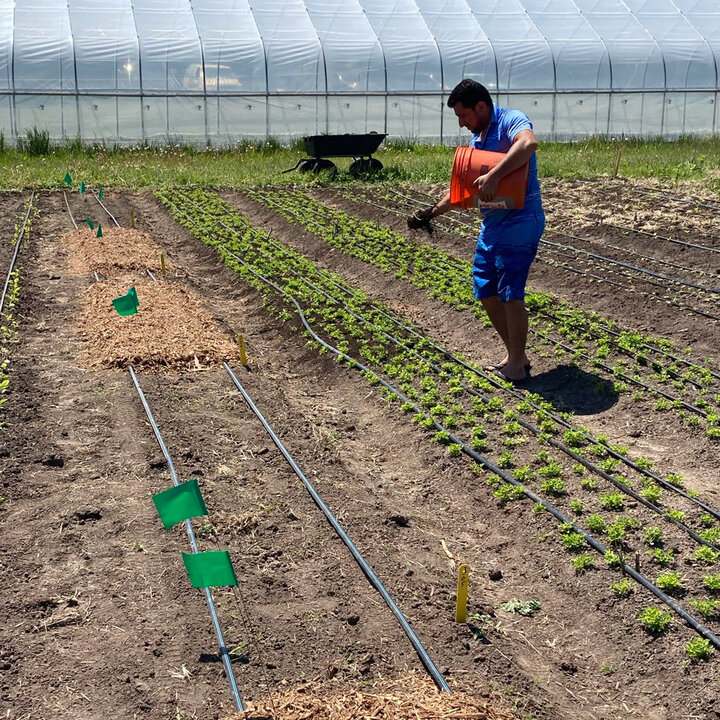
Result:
{"points": [[97, 616]]}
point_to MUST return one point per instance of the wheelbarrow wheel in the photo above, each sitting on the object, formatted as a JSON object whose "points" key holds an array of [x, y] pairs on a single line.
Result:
{"points": [[322, 165], [307, 166], [365, 166]]}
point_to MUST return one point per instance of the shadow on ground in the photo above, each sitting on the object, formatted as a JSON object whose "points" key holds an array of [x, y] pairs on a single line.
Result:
{"points": [[571, 389]]}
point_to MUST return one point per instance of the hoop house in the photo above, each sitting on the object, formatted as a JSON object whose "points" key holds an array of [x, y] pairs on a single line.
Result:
{"points": [[217, 71]]}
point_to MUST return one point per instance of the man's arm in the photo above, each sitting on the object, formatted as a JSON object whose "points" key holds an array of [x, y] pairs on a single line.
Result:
{"points": [[524, 145]]}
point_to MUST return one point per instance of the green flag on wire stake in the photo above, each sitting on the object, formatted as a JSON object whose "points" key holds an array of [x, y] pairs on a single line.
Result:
{"points": [[82, 188], [100, 192], [210, 569], [90, 223], [67, 179], [99, 231], [127, 304], [180, 503]]}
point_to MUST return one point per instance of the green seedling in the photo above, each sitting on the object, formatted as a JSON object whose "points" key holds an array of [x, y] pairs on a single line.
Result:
{"points": [[707, 555], [526, 609], [622, 588], [574, 542], [712, 583], [709, 609], [662, 557], [670, 583], [577, 507], [699, 649], [653, 536], [655, 621], [612, 501], [612, 559], [583, 563]]}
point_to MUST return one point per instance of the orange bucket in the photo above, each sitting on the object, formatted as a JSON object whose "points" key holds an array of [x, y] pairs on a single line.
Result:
{"points": [[470, 164]]}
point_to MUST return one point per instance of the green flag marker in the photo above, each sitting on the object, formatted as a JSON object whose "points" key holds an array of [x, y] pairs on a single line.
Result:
{"points": [[90, 223], [82, 188], [67, 179], [100, 192], [99, 231], [126, 304], [210, 569], [180, 503]]}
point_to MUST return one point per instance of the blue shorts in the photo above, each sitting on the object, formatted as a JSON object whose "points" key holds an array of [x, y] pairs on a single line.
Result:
{"points": [[503, 257]]}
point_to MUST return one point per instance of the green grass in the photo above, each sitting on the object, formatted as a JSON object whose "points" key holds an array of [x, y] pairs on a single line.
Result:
{"points": [[141, 167]]}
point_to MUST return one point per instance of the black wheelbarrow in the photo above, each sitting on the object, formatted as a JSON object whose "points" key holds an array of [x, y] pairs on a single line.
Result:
{"points": [[358, 147]]}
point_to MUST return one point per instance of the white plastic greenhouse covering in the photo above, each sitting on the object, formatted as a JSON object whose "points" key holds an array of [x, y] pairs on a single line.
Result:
{"points": [[216, 71]]}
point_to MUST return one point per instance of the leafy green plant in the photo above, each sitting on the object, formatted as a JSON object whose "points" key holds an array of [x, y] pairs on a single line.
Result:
{"points": [[574, 542], [670, 583], [612, 501], [709, 609], [596, 523], [527, 608], [699, 649], [554, 486], [711, 583], [653, 536], [583, 563], [654, 620], [622, 588], [577, 507], [707, 555], [662, 557], [613, 559]]}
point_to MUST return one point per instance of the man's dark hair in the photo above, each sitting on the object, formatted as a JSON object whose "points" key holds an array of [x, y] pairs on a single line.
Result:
{"points": [[469, 93]]}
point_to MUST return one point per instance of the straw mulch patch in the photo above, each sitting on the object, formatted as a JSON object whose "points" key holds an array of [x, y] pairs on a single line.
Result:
{"points": [[412, 697], [117, 251], [171, 329]]}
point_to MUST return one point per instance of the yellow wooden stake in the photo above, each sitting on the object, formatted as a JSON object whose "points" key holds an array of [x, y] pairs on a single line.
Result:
{"points": [[132, 218], [162, 263], [243, 356], [462, 592]]}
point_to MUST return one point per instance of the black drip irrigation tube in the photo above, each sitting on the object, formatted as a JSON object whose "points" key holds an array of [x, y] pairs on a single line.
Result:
{"points": [[191, 535], [594, 543], [70, 215], [556, 443], [687, 201], [18, 243], [657, 236], [425, 658]]}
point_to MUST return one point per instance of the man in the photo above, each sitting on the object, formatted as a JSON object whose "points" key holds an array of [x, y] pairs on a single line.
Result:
{"points": [[508, 239]]}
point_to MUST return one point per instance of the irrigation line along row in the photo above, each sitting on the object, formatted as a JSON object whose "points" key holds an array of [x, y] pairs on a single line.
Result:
{"points": [[70, 215], [592, 541], [425, 658], [658, 236], [191, 535], [560, 446], [556, 418], [587, 327], [18, 243], [585, 356], [110, 215], [687, 201]]}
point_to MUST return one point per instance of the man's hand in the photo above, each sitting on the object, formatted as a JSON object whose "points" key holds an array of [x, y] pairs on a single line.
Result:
{"points": [[487, 187], [421, 219]]}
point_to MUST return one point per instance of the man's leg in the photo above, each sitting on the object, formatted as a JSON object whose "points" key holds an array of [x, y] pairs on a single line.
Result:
{"points": [[510, 321], [516, 319]]}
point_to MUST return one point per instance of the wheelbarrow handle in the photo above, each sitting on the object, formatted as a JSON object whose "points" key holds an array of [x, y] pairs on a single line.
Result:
{"points": [[297, 165]]}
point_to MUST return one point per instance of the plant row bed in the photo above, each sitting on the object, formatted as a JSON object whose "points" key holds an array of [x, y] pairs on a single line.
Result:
{"points": [[8, 322], [451, 399], [625, 357]]}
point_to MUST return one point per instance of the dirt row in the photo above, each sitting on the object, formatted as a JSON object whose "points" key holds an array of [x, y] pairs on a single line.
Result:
{"points": [[99, 588]]}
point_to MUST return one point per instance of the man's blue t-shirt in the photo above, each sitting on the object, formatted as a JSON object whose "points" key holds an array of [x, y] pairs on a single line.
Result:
{"points": [[504, 126]]}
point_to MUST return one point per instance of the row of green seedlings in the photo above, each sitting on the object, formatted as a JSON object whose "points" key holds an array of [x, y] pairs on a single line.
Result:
{"points": [[589, 266], [410, 365], [8, 321], [446, 279], [646, 350], [626, 339]]}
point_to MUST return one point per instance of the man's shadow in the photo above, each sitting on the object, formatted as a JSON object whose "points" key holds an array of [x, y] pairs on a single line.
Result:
{"points": [[571, 389]]}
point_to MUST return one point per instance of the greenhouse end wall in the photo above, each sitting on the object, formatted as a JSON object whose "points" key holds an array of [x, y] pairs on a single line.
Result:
{"points": [[214, 72]]}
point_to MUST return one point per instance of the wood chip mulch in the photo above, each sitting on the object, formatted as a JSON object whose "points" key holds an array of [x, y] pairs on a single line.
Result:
{"points": [[412, 697], [118, 251], [171, 329]]}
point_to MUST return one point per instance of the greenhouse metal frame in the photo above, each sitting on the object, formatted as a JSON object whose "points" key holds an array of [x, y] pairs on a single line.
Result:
{"points": [[213, 72]]}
